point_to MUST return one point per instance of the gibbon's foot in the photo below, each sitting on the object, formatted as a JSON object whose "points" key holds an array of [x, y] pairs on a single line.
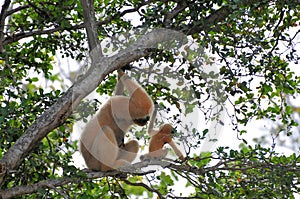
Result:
{"points": [[126, 67], [155, 155], [126, 167], [159, 154], [145, 157]]}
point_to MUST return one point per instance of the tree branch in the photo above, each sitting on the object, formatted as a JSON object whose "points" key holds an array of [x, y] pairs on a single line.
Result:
{"points": [[218, 16], [18, 36], [181, 6], [145, 186], [91, 27], [135, 170], [212, 19], [3, 15], [22, 35], [53, 183], [12, 11]]}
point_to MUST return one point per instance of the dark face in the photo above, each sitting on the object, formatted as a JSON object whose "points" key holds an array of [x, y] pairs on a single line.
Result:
{"points": [[141, 121]]}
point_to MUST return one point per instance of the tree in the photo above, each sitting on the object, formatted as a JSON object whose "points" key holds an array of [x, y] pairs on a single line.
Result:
{"points": [[254, 43]]}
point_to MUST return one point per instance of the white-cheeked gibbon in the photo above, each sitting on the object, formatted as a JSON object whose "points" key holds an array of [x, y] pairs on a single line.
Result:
{"points": [[102, 141], [159, 138]]}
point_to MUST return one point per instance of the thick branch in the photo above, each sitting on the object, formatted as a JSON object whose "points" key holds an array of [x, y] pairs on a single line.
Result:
{"points": [[22, 190], [49, 184]]}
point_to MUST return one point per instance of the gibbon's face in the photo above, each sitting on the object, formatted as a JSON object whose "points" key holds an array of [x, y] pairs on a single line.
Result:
{"points": [[141, 121], [167, 129]]}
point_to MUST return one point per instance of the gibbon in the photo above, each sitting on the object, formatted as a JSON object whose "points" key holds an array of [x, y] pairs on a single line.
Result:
{"points": [[159, 138], [102, 141]]}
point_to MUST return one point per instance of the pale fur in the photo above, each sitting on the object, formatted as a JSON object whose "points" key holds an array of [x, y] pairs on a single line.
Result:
{"points": [[102, 141]]}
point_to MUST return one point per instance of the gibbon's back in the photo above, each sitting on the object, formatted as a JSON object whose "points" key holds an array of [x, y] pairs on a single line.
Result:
{"points": [[140, 104]]}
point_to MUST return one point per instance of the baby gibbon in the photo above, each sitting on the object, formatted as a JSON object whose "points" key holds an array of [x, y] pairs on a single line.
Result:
{"points": [[102, 141], [159, 138]]}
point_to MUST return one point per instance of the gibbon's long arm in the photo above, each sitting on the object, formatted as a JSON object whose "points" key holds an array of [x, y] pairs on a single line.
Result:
{"points": [[120, 86], [151, 131], [176, 150]]}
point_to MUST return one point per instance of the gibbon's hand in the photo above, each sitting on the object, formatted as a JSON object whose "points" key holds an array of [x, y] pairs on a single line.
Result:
{"points": [[127, 67], [120, 73], [122, 70]]}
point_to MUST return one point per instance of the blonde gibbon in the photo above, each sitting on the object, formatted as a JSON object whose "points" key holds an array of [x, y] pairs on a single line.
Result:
{"points": [[159, 138], [102, 141]]}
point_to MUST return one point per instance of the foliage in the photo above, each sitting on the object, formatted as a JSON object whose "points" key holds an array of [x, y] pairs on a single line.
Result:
{"points": [[253, 44]]}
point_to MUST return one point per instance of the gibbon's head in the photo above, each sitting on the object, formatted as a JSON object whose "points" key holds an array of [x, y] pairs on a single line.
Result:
{"points": [[140, 107], [166, 129]]}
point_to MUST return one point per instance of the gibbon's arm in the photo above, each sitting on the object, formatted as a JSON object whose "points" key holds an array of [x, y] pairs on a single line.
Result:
{"points": [[176, 150], [151, 131], [120, 86]]}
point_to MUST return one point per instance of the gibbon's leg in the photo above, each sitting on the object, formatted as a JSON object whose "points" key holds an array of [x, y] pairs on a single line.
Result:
{"points": [[158, 154], [128, 152], [109, 154], [105, 148]]}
